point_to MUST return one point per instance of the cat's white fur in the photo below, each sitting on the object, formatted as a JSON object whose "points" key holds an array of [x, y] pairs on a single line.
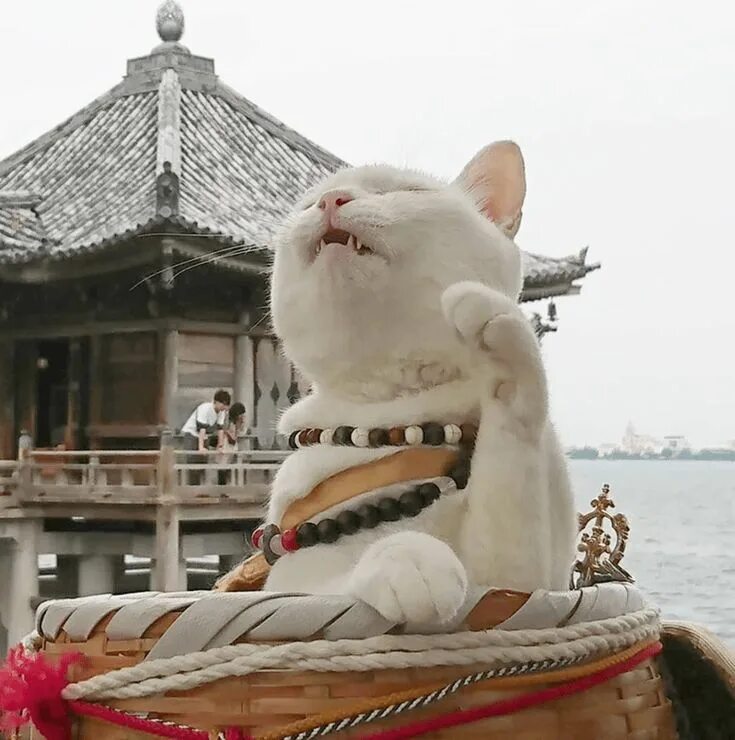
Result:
{"points": [[426, 328]]}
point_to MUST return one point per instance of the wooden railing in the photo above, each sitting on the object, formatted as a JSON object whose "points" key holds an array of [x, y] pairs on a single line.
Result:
{"points": [[139, 476]]}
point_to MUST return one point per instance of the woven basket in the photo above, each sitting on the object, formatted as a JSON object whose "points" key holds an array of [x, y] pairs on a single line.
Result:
{"points": [[631, 705]]}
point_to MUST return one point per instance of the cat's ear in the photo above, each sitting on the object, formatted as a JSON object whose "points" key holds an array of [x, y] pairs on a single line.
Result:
{"points": [[496, 179]]}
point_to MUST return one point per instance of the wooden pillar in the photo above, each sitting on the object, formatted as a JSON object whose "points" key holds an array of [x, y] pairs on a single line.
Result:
{"points": [[168, 571], [96, 575], [25, 378], [67, 576], [73, 410], [168, 348], [95, 385], [244, 380], [20, 580], [7, 400]]}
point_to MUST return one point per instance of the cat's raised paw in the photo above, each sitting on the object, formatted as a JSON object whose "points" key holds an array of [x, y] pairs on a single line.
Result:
{"points": [[470, 307], [410, 577]]}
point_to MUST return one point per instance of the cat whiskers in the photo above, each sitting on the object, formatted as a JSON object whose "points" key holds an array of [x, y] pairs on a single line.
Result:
{"points": [[235, 250], [215, 257]]}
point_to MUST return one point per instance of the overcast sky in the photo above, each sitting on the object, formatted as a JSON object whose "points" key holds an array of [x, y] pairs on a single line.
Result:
{"points": [[625, 112]]}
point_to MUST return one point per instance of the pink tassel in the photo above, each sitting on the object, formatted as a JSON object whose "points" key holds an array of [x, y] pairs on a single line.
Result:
{"points": [[30, 691], [235, 733]]}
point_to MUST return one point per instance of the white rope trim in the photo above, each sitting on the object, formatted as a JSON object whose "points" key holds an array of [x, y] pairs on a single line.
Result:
{"points": [[490, 647], [32, 642]]}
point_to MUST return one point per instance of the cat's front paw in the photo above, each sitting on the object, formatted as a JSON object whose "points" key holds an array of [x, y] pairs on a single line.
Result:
{"points": [[410, 577], [473, 309]]}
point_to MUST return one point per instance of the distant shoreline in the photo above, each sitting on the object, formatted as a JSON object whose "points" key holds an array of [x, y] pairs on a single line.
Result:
{"points": [[724, 456]]}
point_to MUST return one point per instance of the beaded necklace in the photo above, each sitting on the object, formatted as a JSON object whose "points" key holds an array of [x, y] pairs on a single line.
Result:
{"points": [[275, 543], [431, 433]]}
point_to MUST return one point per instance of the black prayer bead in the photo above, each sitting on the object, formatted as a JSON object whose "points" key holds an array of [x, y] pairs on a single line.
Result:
{"points": [[369, 516], [328, 531], [348, 522], [292, 440], [389, 510], [377, 437], [429, 492], [460, 474], [343, 435], [307, 534], [433, 433], [411, 503]]}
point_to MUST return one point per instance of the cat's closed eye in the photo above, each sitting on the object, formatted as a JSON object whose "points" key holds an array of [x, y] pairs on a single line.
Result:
{"points": [[417, 189]]}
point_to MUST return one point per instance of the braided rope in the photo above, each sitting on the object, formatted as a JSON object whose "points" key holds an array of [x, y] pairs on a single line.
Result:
{"points": [[518, 676], [399, 703], [421, 702], [491, 647]]}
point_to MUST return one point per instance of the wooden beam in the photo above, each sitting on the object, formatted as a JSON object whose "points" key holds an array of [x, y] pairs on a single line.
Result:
{"points": [[96, 328], [123, 431], [48, 330], [75, 267]]}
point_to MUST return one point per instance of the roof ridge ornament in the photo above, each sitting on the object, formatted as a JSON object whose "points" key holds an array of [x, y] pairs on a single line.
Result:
{"points": [[170, 21]]}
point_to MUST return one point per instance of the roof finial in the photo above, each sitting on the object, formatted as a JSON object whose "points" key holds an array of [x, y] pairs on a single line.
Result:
{"points": [[170, 21]]}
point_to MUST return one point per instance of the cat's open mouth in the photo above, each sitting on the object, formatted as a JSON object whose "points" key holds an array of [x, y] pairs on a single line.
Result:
{"points": [[344, 238]]}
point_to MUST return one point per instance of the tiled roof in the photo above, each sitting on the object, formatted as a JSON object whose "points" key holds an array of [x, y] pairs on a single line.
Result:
{"points": [[171, 126], [21, 228], [550, 276]]}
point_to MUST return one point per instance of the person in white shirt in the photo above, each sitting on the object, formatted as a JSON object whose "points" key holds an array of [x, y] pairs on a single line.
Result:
{"points": [[205, 426], [207, 419]]}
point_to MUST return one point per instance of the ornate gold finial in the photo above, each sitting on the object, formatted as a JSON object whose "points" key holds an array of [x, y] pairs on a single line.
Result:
{"points": [[600, 562], [170, 21]]}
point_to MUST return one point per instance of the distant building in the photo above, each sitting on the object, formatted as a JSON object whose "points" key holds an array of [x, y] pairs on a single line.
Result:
{"points": [[676, 443], [639, 444]]}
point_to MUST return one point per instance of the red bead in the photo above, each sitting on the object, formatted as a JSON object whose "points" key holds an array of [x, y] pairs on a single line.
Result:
{"points": [[257, 537], [289, 541]]}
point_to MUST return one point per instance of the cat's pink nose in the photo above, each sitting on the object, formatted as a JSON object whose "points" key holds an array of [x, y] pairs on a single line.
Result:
{"points": [[330, 202]]}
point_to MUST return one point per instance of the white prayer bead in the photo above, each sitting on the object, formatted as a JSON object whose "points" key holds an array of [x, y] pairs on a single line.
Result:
{"points": [[360, 437], [276, 545], [452, 434], [414, 435]]}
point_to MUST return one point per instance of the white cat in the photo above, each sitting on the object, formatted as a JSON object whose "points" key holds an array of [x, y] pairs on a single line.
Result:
{"points": [[414, 320]]}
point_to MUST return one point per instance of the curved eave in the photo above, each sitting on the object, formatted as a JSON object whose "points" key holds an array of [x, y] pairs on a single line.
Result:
{"points": [[550, 278], [86, 259]]}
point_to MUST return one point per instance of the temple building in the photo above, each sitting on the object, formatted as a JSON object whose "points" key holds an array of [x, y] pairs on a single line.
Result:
{"points": [[107, 332], [114, 228]]}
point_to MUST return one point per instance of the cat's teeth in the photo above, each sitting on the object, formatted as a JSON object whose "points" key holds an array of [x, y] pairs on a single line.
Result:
{"points": [[320, 246], [351, 242], [362, 249]]}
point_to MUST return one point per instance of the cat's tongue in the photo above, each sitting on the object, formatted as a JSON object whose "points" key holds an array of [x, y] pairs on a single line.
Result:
{"points": [[337, 236]]}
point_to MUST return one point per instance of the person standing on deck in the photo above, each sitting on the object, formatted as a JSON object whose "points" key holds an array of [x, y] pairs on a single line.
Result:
{"points": [[206, 421]]}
